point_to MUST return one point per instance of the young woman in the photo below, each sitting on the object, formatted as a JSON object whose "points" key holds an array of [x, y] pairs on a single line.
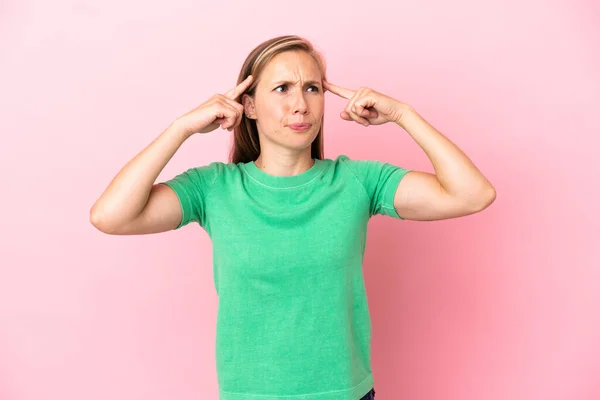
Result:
{"points": [[288, 226]]}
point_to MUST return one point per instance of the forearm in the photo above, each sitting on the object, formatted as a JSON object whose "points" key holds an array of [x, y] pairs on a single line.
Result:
{"points": [[128, 192], [455, 171]]}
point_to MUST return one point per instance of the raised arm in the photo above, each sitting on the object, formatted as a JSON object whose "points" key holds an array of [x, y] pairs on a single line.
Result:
{"points": [[456, 189], [133, 203]]}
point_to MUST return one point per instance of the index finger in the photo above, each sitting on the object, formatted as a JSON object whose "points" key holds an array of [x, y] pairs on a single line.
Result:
{"points": [[340, 91], [239, 89]]}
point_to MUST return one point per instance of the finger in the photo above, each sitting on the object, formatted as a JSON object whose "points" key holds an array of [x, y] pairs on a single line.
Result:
{"points": [[240, 111], [237, 106], [367, 113], [344, 115], [363, 106], [239, 89], [350, 105], [351, 109], [340, 91], [352, 116], [372, 113], [228, 114]]}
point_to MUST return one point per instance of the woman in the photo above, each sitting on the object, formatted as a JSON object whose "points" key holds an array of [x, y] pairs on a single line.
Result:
{"points": [[288, 226]]}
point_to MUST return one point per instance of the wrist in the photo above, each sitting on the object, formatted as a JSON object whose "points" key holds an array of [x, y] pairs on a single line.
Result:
{"points": [[405, 113], [180, 129]]}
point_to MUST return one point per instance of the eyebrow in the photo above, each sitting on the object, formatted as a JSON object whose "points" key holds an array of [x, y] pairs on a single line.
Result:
{"points": [[291, 83]]}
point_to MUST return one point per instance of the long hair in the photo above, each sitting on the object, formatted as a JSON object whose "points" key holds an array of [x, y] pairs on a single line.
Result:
{"points": [[246, 144]]}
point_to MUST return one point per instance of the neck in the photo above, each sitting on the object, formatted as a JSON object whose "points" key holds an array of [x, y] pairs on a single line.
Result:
{"points": [[284, 167]]}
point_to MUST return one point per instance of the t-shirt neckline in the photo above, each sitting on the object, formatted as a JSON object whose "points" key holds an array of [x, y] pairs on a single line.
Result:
{"points": [[284, 181]]}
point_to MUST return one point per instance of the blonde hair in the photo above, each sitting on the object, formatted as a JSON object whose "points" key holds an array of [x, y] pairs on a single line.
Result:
{"points": [[246, 144]]}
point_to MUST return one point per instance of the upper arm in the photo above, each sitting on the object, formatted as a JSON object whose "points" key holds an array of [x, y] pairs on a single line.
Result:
{"points": [[162, 213], [174, 203], [421, 197]]}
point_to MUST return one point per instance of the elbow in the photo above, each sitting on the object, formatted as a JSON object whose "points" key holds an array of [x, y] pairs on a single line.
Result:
{"points": [[99, 222], [476, 200], [96, 220], [485, 199]]}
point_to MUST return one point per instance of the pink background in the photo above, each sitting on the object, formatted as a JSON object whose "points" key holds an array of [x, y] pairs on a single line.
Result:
{"points": [[499, 305]]}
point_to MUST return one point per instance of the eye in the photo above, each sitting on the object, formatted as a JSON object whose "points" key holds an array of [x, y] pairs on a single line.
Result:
{"points": [[284, 86]]}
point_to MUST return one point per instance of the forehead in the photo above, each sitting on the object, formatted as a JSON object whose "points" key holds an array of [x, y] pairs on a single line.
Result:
{"points": [[293, 66]]}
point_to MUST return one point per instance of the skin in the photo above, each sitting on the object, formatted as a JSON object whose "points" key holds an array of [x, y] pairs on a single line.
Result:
{"points": [[289, 90], [456, 189], [134, 204]]}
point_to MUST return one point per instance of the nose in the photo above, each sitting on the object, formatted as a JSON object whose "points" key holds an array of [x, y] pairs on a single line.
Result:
{"points": [[299, 103]]}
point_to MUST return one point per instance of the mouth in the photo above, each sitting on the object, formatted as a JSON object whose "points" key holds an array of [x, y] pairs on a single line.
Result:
{"points": [[299, 127]]}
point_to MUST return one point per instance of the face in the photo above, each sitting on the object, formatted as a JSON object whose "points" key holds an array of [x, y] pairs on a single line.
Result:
{"points": [[288, 102]]}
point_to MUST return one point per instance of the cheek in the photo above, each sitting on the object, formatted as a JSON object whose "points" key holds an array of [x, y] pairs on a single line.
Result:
{"points": [[317, 106], [273, 111]]}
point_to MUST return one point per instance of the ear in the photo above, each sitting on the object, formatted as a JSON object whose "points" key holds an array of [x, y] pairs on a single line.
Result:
{"points": [[249, 109]]}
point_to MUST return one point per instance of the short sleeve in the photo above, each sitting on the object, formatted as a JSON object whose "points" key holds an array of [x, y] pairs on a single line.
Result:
{"points": [[380, 181], [192, 188]]}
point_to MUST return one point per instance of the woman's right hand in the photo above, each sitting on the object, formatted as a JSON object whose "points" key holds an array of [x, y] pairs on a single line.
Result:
{"points": [[220, 110]]}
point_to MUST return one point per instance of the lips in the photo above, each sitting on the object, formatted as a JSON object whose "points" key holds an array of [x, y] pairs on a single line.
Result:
{"points": [[299, 127]]}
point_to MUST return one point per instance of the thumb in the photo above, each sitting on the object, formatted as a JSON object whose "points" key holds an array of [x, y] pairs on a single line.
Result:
{"points": [[344, 115]]}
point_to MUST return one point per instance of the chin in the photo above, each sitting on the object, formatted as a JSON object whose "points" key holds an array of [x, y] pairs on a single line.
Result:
{"points": [[299, 143], [291, 139]]}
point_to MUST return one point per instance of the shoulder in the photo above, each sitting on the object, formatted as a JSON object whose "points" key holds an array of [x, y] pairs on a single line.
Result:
{"points": [[200, 179], [345, 162], [369, 169], [212, 171]]}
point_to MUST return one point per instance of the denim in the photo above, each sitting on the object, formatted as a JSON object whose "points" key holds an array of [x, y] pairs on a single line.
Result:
{"points": [[369, 396]]}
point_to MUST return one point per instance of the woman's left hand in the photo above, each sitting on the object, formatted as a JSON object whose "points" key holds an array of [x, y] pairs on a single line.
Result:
{"points": [[368, 107]]}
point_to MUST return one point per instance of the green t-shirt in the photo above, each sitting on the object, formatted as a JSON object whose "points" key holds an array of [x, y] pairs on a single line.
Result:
{"points": [[293, 321]]}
